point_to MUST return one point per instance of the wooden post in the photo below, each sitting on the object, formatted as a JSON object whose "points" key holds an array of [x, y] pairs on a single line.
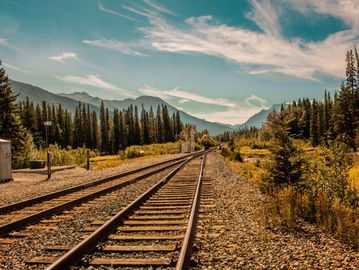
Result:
{"points": [[48, 166], [88, 160]]}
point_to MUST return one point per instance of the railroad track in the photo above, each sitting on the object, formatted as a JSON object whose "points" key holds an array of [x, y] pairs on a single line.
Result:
{"points": [[18, 215], [155, 230]]}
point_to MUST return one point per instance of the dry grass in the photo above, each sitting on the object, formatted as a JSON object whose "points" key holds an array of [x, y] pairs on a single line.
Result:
{"points": [[247, 169], [103, 162], [354, 172], [247, 151]]}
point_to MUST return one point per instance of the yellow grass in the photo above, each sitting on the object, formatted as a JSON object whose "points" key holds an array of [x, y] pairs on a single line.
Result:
{"points": [[247, 169], [249, 152], [354, 172], [103, 162], [135, 153]]}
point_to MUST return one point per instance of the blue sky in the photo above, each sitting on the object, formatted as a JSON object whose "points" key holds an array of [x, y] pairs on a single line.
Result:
{"points": [[222, 60]]}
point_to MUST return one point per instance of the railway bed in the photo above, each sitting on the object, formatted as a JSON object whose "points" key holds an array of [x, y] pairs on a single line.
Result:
{"points": [[156, 229], [17, 215]]}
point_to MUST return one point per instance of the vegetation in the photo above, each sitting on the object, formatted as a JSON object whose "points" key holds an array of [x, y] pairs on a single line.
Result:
{"points": [[108, 135], [134, 152], [305, 162], [11, 127]]}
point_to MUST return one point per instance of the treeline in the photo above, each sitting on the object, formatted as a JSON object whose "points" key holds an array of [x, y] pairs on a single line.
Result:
{"points": [[108, 133], [323, 121]]}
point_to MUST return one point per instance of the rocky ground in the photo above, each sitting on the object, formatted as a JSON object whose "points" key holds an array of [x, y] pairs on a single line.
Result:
{"points": [[246, 242], [28, 185]]}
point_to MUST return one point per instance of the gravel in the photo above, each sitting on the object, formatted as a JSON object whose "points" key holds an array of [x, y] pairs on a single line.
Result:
{"points": [[28, 185], [15, 255], [245, 242]]}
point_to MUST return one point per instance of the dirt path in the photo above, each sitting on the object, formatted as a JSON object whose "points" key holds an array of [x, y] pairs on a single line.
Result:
{"points": [[245, 243]]}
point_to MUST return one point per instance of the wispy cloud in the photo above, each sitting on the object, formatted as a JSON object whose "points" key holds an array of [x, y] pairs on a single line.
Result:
{"points": [[158, 7], [16, 68], [123, 47], [95, 81], [263, 52], [64, 56], [231, 113], [346, 10], [231, 117], [104, 9], [179, 93], [265, 14]]}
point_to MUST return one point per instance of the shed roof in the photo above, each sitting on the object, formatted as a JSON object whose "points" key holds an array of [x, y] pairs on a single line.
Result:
{"points": [[4, 141]]}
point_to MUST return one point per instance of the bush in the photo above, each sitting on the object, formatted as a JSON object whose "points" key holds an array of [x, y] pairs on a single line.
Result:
{"points": [[231, 155]]}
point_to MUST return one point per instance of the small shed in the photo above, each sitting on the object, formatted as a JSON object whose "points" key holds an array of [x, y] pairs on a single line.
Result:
{"points": [[5, 160]]}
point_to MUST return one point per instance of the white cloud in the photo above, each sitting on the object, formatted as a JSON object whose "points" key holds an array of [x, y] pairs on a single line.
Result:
{"points": [[104, 9], [184, 95], [64, 56], [232, 116], [95, 81], [346, 10], [265, 14], [183, 101], [263, 52], [255, 101], [16, 68], [158, 7], [232, 113], [123, 47]]}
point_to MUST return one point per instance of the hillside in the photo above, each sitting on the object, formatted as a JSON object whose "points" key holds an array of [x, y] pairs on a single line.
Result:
{"points": [[70, 101], [259, 118], [37, 95]]}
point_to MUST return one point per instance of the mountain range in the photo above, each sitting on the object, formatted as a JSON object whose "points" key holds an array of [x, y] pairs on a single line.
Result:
{"points": [[70, 101]]}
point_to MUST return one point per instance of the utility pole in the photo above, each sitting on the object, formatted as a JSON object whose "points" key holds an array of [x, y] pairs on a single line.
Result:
{"points": [[46, 124]]}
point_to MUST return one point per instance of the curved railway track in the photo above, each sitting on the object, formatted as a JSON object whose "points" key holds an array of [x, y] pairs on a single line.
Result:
{"points": [[155, 230], [18, 215]]}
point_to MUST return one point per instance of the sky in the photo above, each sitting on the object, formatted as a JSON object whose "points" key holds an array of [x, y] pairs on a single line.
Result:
{"points": [[220, 60]]}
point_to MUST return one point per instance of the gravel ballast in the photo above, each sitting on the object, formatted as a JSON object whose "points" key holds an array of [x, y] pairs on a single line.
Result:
{"points": [[69, 231], [245, 242]]}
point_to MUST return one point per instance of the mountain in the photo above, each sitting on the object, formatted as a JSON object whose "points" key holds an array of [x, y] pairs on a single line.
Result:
{"points": [[70, 101], [37, 95], [148, 102], [259, 118]]}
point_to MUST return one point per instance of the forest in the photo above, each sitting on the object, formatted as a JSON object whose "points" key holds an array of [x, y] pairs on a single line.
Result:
{"points": [[23, 124], [304, 160]]}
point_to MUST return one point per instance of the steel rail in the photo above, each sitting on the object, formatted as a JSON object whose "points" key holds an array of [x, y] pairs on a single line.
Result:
{"points": [[184, 258], [20, 223], [74, 256], [18, 205]]}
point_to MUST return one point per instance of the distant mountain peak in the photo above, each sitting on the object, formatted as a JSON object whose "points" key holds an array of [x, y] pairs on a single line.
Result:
{"points": [[70, 102]]}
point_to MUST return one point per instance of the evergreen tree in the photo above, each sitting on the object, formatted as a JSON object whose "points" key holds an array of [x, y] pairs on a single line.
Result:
{"points": [[103, 128], [166, 124], [94, 131], [116, 131], [159, 126], [10, 122], [314, 136]]}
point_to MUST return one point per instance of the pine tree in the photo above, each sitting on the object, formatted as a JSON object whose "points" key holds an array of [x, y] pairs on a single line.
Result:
{"points": [[166, 124], [94, 131], [10, 123], [159, 126], [103, 128], [116, 131], [137, 129], [314, 136]]}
